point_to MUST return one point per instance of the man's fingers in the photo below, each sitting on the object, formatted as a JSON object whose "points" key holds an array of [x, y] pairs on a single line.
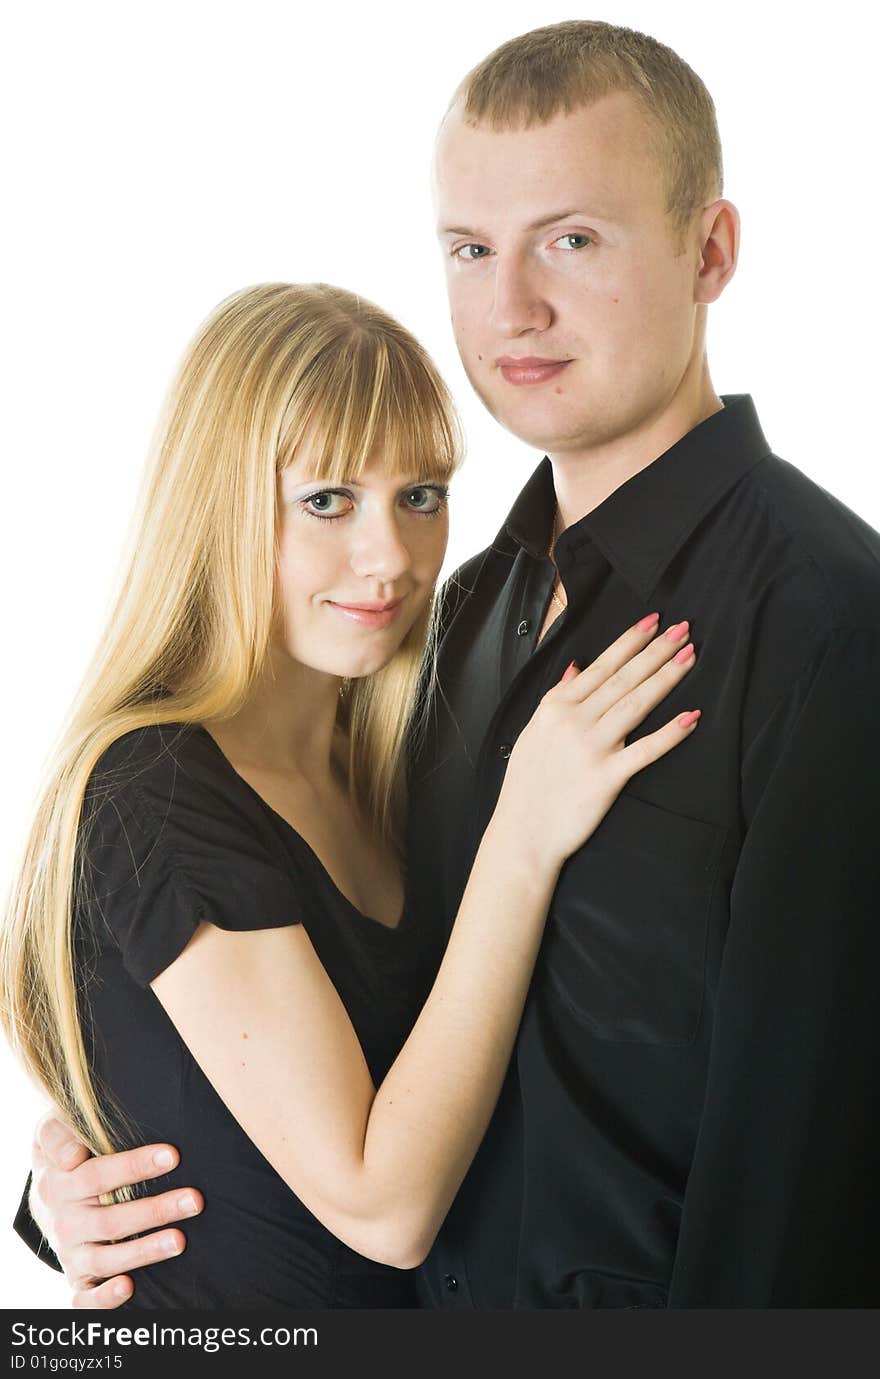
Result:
{"points": [[142, 1214], [110, 1171], [58, 1143], [105, 1261], [113, 1292]]}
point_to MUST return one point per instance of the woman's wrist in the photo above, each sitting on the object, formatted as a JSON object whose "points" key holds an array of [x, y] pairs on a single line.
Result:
{"points": [[521, 847]]}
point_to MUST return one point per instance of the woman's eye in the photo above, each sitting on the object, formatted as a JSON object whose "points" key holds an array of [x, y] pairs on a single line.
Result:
{"points": [[471, 252], [573, 241], [327, 504], [425, 499]]}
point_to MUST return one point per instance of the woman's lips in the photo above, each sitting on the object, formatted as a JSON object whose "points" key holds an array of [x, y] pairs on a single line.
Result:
{"points": [[521, 372], [368, 614]]}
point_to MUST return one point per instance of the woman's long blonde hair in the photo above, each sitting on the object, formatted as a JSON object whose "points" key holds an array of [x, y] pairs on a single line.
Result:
{"points": [[274, 368]]}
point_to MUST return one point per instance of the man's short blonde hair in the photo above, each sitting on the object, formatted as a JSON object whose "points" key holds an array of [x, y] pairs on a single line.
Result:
{"points": [[563, 67]]}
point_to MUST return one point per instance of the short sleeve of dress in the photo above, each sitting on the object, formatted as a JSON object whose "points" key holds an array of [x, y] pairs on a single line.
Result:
{"points": [[167, 842]]}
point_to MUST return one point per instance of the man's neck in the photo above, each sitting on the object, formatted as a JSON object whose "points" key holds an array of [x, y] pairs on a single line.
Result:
{"points": [[584, 479]]}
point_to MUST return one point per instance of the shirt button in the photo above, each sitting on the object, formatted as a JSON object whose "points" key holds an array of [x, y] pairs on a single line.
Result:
{"points": [[451, 1283], [505, 750], [523, 628]]}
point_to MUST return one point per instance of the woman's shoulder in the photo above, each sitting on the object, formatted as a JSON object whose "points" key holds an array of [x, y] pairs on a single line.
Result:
{"points": [[168, 840], [170, 771], [168, 789], [155, 754]]}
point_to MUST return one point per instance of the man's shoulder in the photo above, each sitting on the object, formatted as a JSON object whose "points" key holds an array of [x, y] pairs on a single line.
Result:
{"points": [[815, 548], [808, 574]]}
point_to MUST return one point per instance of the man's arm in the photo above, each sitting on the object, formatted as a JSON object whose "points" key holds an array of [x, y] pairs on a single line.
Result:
{"points": [[782, 1207], [61, 1217]]}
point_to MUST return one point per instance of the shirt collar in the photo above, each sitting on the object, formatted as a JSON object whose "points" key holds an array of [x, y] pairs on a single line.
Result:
{"points": [[641, 526]]}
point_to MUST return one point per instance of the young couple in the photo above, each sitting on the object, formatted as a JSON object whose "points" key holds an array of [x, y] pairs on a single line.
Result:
{"points": [[615, 1045]]}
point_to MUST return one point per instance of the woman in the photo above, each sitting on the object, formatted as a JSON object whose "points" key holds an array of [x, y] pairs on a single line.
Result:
{"points": [[208, 941]]}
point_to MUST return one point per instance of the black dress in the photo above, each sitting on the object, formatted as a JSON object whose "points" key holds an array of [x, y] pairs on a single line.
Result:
{"points": [[172, 835]]}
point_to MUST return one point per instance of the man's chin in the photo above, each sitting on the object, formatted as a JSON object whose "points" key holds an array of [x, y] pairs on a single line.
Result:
{"points": [[532, 419], [538, 434]]}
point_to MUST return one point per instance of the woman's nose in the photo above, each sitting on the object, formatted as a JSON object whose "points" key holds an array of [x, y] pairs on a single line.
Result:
{"points": [[380, 551]]}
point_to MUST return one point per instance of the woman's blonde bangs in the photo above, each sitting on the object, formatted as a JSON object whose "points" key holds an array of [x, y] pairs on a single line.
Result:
{"points": [[373, 395]]}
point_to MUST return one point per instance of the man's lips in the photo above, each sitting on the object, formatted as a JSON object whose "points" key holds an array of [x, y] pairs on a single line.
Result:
{"points": [[530, 368], [370, 614]]}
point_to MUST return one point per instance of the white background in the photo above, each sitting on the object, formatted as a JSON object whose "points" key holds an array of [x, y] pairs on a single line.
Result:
{"points": [[160, 156]]}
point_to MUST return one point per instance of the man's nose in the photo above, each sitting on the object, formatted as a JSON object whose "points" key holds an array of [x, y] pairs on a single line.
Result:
{"points": [[380, 551], [518, 304]]}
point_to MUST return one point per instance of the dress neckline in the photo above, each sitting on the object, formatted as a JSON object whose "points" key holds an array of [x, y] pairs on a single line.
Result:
{"points": [[307, 848]]}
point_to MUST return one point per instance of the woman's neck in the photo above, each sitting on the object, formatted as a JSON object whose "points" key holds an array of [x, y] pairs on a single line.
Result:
{"points": [[288, 724]]}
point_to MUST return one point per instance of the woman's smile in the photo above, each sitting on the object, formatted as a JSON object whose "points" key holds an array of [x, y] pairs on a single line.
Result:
{"points": [[372, 615]]}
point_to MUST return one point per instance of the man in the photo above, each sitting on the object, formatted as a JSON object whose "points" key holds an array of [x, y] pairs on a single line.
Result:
{"points": [[687, 1119]]}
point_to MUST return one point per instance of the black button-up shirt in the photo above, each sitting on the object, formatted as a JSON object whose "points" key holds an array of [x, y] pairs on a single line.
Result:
{"points": [[689, 1116]]}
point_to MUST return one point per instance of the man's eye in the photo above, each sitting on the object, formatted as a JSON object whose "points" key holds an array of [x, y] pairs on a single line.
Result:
{"points": [[328, 504], [573, 241], [471, 251]]}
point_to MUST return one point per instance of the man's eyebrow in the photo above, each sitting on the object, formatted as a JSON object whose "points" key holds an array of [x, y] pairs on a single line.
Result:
{"points": [[571, 213], [540, 224]]}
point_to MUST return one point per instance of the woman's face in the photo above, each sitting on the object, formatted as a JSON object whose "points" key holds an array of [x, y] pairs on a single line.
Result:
{"points": [[357, 563]]}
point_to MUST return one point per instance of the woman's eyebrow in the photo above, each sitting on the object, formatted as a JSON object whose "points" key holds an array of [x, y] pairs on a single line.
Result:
{"points": [[401, 481]]}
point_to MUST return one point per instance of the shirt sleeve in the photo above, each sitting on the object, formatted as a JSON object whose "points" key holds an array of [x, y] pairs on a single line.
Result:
{"points": [[27, 1230], [782, 1206], [166, 848]]}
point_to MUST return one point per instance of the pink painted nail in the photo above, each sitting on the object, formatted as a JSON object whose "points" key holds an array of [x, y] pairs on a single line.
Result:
{"points": [[687, 720], [571, 671], [684, 655], [647, 622], [676, 633]]}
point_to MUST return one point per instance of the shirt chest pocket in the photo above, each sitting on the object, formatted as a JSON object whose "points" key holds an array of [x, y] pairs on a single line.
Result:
{"points": [[625, 945]]}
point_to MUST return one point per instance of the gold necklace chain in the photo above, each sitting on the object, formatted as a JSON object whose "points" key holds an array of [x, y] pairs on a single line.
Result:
{"points": [[557, 582]]}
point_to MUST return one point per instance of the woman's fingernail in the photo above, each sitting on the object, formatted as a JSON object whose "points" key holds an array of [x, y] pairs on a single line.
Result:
{"points": [[647, 622], [187, 1206], [687, 720], [169, 1246], [676, 633], [685, 654], [571, 671], [69, 1152], [121, 1290], [163, 1158]]}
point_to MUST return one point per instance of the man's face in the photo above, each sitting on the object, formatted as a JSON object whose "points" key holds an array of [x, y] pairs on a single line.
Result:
{"points": [[573, 304]]}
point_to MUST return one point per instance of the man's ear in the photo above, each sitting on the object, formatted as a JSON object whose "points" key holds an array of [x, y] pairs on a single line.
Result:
{"points": [[719, 248]]}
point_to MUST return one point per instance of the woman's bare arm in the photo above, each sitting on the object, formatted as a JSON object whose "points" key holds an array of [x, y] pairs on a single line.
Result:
{"points": [[260, 1015], [398, 1154]]}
